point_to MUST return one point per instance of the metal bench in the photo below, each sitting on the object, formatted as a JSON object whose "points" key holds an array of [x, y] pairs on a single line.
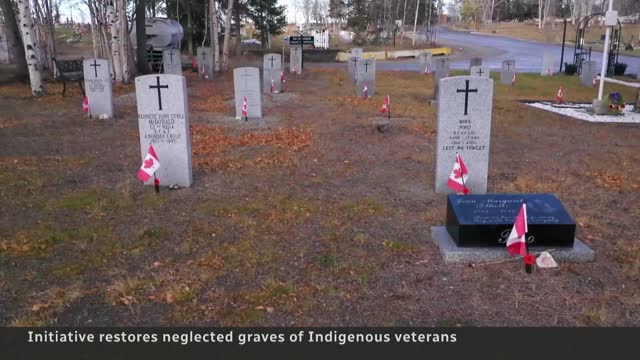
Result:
{"points": [[70, 70]]}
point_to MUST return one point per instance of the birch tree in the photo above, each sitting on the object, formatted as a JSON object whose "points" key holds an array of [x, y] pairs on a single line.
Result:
{"points": [[215, 42], [112, 17], [30, 46], [227, 35]]}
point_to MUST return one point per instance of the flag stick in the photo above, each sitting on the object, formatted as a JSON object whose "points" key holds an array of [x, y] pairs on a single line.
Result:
{"points": [[389, 114], [527, 267], [461, 175], [155, 183]]}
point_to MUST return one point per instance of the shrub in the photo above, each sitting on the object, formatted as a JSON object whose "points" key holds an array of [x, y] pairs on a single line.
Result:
{"points": [[619, 69], [570, 69]]}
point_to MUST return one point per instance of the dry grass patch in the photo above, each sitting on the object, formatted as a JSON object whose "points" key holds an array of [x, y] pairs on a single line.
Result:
{"points": [[52, 302]]}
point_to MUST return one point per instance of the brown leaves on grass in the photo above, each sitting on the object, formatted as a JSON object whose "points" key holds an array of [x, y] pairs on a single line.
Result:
{"points": [[211, 142], [8, 123], [423, 130], [609, 180]]}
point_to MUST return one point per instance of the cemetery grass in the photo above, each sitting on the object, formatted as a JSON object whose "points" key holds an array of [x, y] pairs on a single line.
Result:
{"points": [[309, 217]]}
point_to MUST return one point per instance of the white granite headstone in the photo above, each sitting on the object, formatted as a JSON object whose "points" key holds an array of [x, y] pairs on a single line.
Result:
{"points": [[480, 71], [271, 68], [424, 58], [246, 84], [441, 69], [163, 120], [464, 127], [357, 52], [205, 63], [475, 61], [589, 72], [507, 71], [366, 75], [547, 65], [352, 64], [171, 62], [295, 59], [97, 84]]}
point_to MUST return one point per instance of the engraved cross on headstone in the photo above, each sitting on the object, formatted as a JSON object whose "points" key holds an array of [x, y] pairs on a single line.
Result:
{"points": [[480, 72], [246, 80], [171, 54], [366, 66], [355, 61], [95, 67], [272, 59], [508, 65], [466, 92], [159, 87]]}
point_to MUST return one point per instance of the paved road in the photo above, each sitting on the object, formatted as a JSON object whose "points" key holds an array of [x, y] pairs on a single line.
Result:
{"points": [[494, 49]]}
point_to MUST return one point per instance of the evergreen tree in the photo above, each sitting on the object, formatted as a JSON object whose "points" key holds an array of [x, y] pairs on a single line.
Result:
{"points": [[268, 17]]}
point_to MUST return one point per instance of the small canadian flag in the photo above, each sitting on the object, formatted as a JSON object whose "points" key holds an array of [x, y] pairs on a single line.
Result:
{"points": [[516, 244], [595, 81], [85, 105], [295, 69], [385, 105], [513, 79], [150, 165], [282, 79], [459, 175], [245, 111], [427, 71], [560, 95], [273, 87], [202, 71], [365, 91]]}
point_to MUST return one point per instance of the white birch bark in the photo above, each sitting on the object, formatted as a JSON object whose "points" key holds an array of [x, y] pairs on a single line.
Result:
{"points": [[30, 46], [124, 40], [227, 36], [215, 43], [112, 17]]}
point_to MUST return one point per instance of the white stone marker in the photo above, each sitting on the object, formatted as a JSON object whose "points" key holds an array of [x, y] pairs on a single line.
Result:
{"points": [[295, 60], [97, 84], [163, 120], [480, 71], [171, 62], [271, 68], [464, 127], [205, 57], [246, 84], [366, 75]]}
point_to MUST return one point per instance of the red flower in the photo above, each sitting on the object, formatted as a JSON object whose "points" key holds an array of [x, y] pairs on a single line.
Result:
{"points": [[465, 191], [622, 106], [156, 181], [529, 259], [610, 106]]}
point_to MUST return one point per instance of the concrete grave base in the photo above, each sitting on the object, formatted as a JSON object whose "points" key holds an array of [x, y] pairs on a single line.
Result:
{"points": [[452, 254], [586, 112]]}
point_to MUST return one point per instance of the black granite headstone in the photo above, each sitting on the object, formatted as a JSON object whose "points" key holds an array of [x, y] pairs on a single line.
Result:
{"points": [[486, 220]]}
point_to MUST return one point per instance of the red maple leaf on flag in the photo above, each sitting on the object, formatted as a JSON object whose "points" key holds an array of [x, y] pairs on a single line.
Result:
{"points": [[148, 163], [457, 173]]}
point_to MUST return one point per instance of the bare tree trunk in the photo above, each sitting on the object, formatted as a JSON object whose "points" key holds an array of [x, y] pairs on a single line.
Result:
{"points": [[189, 26], [215, 42], [404, 21], [27, 28], [124, 41], [236, 14], [227, 36], [415, 23], [115, 42], [141, 37], [15, 40]]}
